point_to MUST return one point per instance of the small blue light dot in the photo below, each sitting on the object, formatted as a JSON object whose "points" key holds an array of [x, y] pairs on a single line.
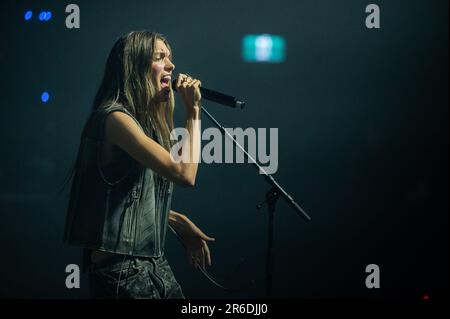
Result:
{"points": [[48, 16], [28, 15], [42, 16], [45, 97]]}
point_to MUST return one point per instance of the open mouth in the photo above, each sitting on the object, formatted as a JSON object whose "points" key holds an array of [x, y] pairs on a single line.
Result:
{"points": [[165, 81]]}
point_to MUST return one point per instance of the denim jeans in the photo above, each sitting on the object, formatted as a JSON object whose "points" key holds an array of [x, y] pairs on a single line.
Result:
{"points": [[131, 277]]}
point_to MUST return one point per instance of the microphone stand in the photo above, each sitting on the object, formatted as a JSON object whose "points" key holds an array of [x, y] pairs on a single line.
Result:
{"points": [[275, 192]]}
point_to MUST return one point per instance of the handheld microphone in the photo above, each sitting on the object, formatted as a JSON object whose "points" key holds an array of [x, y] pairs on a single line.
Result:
{"points": [[217, 97]]}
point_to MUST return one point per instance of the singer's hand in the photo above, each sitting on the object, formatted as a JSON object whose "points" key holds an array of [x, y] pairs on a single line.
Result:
{"points": [[189, 89], [193, 239]]}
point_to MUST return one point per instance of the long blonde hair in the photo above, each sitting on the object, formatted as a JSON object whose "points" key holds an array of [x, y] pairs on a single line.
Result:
{"points": [[128, 80]]}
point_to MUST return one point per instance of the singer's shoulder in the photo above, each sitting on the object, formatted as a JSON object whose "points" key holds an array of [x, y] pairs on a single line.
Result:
{"points": [[111, 107], [119, 118], [104, 112]]}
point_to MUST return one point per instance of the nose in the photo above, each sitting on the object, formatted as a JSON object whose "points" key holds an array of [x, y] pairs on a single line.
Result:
{"points": [[169, 65]]}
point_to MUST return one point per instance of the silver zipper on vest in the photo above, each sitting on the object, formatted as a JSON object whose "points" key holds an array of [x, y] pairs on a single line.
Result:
{"points": [[135, 193], [157, 213], [162, 207]]}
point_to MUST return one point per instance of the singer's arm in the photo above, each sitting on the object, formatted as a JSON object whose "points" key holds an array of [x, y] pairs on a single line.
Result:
{"points": [[122, 130]]}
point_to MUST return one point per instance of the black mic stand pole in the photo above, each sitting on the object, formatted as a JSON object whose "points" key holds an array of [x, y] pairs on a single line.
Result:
{"points": [[271, 199]]}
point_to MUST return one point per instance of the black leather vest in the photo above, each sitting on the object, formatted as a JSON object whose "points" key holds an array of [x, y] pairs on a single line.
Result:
{"points": [[126, 214]]}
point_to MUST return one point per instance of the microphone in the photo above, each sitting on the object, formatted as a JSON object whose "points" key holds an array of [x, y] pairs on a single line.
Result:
{"points": [[217, 97]]}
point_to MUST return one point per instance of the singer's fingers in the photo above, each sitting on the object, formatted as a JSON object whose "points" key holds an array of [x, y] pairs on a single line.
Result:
{"points": [[207, 252], [205, 237], [203, 258], [190, 81], [195, 83], [181, 78]]}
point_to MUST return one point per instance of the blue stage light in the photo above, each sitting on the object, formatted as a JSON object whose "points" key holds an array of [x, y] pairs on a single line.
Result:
{"points": [[45, 15], [28, 15], [48, 15], [263, 48], [45, 97]]}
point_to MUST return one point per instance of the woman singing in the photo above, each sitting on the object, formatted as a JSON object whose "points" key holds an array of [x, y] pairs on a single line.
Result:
{"points": [[119, 207]]}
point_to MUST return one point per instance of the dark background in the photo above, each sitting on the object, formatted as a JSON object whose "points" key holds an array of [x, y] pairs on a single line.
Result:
{"points": [[363, 142]]}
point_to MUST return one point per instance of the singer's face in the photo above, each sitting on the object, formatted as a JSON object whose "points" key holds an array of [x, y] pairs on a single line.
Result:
{"points": [[162, 68]]}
